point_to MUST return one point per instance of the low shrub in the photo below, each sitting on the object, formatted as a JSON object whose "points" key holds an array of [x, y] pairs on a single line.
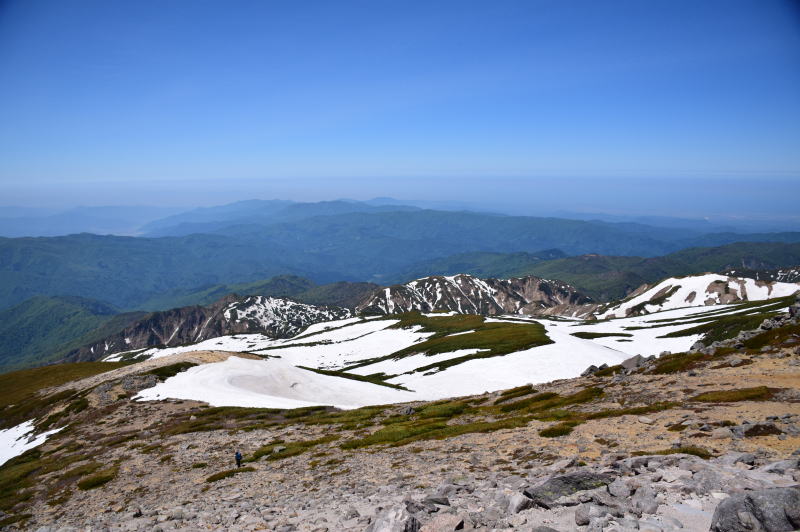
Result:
{"points": [[759, 393], [561, 429], [98, 479], [229, 473]]}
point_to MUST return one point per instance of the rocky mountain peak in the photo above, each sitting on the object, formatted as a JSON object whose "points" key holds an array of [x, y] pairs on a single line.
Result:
{"points": [[270, 316], [466, 294]]}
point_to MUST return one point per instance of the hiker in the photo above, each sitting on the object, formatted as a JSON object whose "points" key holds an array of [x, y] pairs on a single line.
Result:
{"points": [[238, 457]]}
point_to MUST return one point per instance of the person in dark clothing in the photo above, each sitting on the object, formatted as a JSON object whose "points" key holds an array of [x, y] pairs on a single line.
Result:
{"points": [[238, 459]]}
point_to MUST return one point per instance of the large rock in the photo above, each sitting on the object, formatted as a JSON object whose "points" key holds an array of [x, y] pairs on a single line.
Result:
{"points": [[781, 466], [734, 457], [444, 523], [519, 502], [395, 520], [562, 485], [585, 512], [770, 510], [619, 488], [633, 362], [644, 501]]}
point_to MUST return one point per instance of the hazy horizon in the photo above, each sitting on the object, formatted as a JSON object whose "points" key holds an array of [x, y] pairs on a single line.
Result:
{"points": [[668, 108], [742, 198]]}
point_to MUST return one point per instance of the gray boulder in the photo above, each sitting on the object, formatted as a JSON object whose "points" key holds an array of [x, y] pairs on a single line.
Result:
{"points": [[633, 362], [444, 523], [591, 370], [644, 501], [735, 361], [434, 499], [395, 520], [781, 466], [770, 510], [619, 488], [519, 502], [562, 485], [585, 512]]}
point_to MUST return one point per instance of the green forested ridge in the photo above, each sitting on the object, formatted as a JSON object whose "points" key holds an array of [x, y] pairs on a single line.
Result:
{"points": [[609, 277], [279, 286], [43, 329], [481, 264], [132, 273], [340, 294]]}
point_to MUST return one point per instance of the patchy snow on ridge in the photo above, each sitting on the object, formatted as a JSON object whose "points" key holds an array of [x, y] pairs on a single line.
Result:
{"points": [[467, 294], [17, 440], [278, 382], [699, 290], [238, 343], [280, 315]]}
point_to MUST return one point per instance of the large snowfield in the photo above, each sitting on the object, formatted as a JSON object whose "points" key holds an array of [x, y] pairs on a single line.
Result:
{"points": [[279, 383]]}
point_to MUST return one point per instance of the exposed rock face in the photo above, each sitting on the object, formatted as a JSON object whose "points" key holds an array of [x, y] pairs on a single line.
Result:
{"points": [[560, 486], [274, 317], [771, 510], [466, 294]]}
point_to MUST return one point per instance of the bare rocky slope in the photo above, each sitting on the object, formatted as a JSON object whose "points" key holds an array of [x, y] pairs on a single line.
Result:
{"points": [[703, 440], [466, 294], [274, 317]]}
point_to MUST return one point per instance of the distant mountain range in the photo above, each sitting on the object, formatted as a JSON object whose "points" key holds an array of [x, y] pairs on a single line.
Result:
{"points": [[327, 242], [606, 278], [59, 293]]}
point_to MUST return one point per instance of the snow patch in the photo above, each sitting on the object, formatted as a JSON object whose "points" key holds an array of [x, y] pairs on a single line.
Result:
{"points": [[17, 440]]}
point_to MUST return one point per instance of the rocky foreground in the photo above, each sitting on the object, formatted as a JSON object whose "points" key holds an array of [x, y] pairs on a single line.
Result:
{"points": [[708, 440]]}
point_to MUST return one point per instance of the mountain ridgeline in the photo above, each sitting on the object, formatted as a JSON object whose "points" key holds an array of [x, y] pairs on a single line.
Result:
{"points": [[325, 242], [459, 294], [465, 294], [272, 317]]}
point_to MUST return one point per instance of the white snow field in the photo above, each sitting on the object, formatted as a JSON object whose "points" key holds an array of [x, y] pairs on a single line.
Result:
{"points": [[17, 440], [696, 291], [278, 382], [270, 383]]}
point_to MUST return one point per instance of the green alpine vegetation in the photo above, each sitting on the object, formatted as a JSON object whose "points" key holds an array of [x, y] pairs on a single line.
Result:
{"points": [[464, 331]]}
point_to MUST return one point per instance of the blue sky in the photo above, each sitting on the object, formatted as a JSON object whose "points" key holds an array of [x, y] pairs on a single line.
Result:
{"points": [[328, 96]]}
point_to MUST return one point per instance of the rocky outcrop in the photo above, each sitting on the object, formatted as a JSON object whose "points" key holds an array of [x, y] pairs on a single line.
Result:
{"points": [[466, 294], [770, 510], [273, 317]]}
